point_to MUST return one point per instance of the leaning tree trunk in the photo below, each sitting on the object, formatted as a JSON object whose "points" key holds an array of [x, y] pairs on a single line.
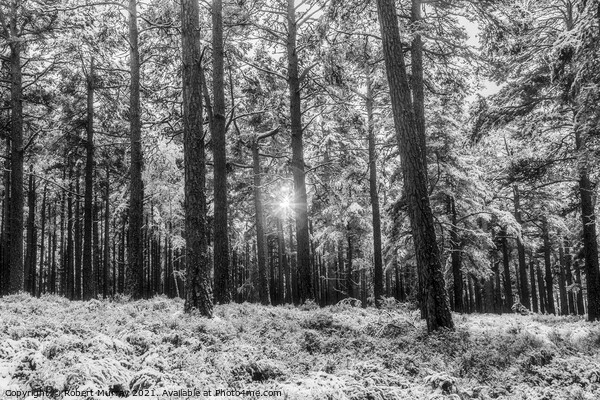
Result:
{"points": [[414, 168], [135, 271], [305, 290], [198, 293], [221, 242]]}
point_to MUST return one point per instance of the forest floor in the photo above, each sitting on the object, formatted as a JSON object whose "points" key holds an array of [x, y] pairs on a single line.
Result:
{"points": [[77, 350]]}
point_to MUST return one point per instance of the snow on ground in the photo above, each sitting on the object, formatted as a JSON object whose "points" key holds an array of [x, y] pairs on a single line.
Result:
{"points": [[109, 349]]}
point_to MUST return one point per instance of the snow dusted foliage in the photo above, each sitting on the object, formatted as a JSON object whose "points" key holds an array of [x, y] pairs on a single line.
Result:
{"points": [[339, 352]]}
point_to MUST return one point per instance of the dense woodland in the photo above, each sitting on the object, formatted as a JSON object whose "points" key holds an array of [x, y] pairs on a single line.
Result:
{"points": [[281, 151]]}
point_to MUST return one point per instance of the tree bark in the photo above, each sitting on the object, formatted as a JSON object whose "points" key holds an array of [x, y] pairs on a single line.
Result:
{"points": [[534, 298], [263, 283], [508, 297], [548, 268], [523, 286], [30, 253], [414, 168], [89, 188], [305, 289], [221, 242], [40, 284], [562, 282], [135, 249], [374, 195], [77, 244], [198, 293], [106, 264], [569, 278], [16, 156], [455, 258]]}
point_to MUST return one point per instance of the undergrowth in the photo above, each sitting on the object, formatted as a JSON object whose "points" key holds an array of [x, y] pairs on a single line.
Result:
{"points": [[337, 352]]}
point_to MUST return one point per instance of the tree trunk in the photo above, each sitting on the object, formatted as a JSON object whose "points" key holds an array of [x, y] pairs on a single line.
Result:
{"points": [[455, 257], [42, 243], [30, 253], [590, 245], [534, 298], [198, 284], [569, 278], [305, 291], [349, 259], [548, 267], [89, 188], [221, 245], [77, 224], [562, 285], [97, 245], [135, 272], [16, 156], [263, 284], [106, 263], [508, 297], [541, 290], [414, 168], [378, 259], [580, 304], [69, 281], [523, 286]]}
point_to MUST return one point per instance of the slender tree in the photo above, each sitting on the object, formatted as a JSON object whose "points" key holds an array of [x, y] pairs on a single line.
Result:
{"points": [[198, 286], [88, 288], [305, 290], [414, 169], [135, 273], [221, 240]]}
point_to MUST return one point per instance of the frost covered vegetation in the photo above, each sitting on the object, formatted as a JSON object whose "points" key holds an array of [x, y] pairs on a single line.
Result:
{"points": [[338, 352]]}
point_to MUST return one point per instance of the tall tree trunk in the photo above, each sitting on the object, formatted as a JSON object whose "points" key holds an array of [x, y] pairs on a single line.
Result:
{"points": [[378, 259], [16, 155], [77, 223], [221, 245], [349, 267], [42, 243], [508, 297], [541, 290], [263, 283], [135, 272], [562, 282], [30, 259], [569, 278], [590, 245], [523, 286], [534, 298], [97, 245], [89, 188], [580, 304], [414, 168], [106, 265], [300, 197], [455, 257], [198, 293], [548, 267], [6, 223], [69, 279]]}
